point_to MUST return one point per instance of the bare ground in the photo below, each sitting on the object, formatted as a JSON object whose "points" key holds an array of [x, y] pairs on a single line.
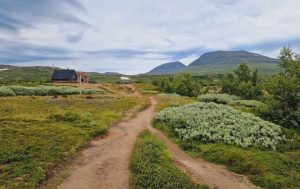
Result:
{"points": [[105, 162]]}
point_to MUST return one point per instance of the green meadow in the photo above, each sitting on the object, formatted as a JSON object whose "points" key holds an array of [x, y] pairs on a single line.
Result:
{"points": [[39, 133]]}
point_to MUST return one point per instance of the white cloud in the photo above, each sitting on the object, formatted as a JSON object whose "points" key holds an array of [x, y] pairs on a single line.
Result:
{"points": [[161, 26]]}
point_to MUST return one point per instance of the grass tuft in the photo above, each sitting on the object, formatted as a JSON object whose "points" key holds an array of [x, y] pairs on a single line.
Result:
{"points": [[152, 167]]}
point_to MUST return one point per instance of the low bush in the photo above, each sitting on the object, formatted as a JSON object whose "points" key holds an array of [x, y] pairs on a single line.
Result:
{"points": [[249, 103], [148, 92], [152, 167], [211, 122], [43, 91], [218, 98], [5, 91], [289, 119], [168, 95], [183, 84]]}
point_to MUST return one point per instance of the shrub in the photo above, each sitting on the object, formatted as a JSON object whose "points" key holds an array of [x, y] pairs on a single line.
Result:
{"points": [[182, 84], [249, 103], [43, 91], [210, 122], [5, 91], [168, 95], [242, 82], [218, 98], [148, 92], [23, 91]]}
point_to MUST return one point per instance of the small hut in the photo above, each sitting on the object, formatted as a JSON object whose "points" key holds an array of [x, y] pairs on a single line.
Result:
{"points": [[83, 77], [69, 76], [64, 76]]}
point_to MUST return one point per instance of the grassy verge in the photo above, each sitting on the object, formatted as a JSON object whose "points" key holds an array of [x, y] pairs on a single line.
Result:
{"points": [[167, 100], [39, 133], [152, 167], [269, 169]]}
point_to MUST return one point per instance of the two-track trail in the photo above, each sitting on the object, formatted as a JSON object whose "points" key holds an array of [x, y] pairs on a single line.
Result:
{"points": [[105, 162]]}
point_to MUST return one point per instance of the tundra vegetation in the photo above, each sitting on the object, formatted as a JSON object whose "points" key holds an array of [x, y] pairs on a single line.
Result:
{"points": [[182, 84], [246, 121], [219, 98], [211, 131], [210, 122], [263, 165], [279, 92], [39, 133], [43, 91], [152, 166]]}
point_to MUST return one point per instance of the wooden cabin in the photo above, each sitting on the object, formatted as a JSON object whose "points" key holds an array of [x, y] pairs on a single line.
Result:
{"points": [[64, 76], [69, 76]]}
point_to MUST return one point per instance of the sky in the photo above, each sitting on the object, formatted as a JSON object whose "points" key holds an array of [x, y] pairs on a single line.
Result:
{"points": [[133, 36]]}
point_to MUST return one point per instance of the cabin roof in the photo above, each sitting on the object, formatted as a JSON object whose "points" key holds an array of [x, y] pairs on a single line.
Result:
{"points": [[64, 75]]}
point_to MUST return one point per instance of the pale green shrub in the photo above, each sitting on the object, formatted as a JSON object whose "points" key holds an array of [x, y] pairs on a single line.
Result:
{"points": [[168, 95], [148, 92], [43, 91], [5, 91], [211, 122], [218, 98]]}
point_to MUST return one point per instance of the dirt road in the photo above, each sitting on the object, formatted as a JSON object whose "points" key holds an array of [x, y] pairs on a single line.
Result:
{"points": [[105, 163]]}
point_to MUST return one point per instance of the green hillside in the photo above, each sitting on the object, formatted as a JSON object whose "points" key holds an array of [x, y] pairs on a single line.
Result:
{"points": [[232, 57], [15, 74], [167, 68]]}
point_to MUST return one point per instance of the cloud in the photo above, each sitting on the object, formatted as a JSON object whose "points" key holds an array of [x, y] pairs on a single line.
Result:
{"points": [[140, 33], [16, 15], [74, 37]]}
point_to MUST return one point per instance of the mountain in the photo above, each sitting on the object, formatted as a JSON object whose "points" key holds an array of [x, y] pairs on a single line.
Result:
{"points": [[167, 68], [232, 57], [217, 62]]}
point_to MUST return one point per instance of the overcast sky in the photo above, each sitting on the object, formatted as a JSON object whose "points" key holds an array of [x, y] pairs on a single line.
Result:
{"points": [[133, 36]]}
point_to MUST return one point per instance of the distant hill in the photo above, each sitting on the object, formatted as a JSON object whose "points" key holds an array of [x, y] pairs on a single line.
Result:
{"points": [[232, 57], [112, 73], [221, 62], [17, 74], [167, 68]]}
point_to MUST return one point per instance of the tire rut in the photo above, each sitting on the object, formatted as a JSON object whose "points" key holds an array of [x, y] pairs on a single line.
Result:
{"points": [[105, 162], [203, 172]]}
